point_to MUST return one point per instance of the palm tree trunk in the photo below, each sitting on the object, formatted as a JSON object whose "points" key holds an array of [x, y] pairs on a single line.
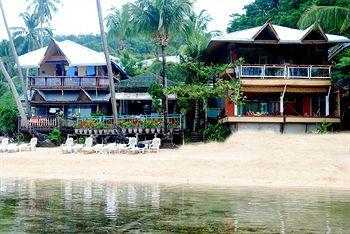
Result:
{"points": [[15, 56], [165, 87], [109, 65], [23, 116], [41, 34], [196, 115]]}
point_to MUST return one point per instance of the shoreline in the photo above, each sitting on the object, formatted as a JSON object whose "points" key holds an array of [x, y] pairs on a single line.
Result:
{"points": [[259, 160]]}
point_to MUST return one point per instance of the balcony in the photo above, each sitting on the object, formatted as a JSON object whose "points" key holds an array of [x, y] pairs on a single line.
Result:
{"points": [[64, 82], [285, 72]]}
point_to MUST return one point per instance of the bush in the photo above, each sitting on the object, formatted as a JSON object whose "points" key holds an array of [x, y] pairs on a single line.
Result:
{"points": [[56, 137], [217, 132], [8, 119]]}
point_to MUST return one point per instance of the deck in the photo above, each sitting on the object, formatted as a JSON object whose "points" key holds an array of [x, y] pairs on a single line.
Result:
{"points": [[279, 119]]}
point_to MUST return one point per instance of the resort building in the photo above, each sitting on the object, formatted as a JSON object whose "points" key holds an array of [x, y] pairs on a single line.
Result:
{"points": [[68, 79], [286, 77]]}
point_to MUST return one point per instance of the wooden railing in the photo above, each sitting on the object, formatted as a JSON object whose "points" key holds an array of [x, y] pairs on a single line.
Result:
{"points": [[43, 122], [285, 72], [68, 82]]}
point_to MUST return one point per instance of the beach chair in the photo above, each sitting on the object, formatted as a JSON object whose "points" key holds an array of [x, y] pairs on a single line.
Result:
{"points": [[131, 144], [155, 145], [4, 144], [31, 146], [97, 148], [107, 149], [12, 148], [68, 146], [87, 147], [133, 148]]}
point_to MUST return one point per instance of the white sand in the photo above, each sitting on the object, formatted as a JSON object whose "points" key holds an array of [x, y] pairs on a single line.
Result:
{"points": [[246, 159]]}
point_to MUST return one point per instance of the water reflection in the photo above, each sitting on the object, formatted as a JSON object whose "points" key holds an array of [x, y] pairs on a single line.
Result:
{"points": [[80, 206]]}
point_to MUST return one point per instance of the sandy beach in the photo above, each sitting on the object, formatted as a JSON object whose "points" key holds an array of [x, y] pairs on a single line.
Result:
{"points": [[246, 159]]}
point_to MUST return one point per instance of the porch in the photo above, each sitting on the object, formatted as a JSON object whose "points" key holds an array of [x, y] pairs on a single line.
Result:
{"points": [[67, 82]]}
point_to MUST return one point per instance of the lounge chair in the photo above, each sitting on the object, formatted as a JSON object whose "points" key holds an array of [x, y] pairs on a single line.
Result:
{"points": [[87, 147], [131, 144], [12, 148], [92, 149], [155, 145], [97, 148], [107, 149], [31, 146], [4, 144], [133, 148], [68, 146]]}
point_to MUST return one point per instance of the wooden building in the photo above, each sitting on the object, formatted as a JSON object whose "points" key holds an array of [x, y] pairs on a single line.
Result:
{"points": [[286, 77]]}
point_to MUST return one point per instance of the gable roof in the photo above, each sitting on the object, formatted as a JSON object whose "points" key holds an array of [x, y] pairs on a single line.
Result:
{"points": [[285, 35], [76, 55], [267, 27]]}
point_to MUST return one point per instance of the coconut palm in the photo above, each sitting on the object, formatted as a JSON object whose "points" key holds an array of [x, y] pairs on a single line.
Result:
{"points": [[160, 18], [332, 18], [109, 65], [118, 25], [15, 56], [196, 35], [44, 10], [27, 38]]}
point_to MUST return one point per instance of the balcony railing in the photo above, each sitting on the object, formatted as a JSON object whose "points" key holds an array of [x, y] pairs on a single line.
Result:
{"points": [[285, 72], [68, 82]]}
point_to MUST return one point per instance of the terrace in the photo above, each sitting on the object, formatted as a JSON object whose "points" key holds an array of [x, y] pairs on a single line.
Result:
{"points": [[67, 82]]}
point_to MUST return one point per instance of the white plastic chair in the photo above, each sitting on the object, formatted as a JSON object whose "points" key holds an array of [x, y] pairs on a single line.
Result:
{"points": [[107, 149], [12, 148], [31, 146], [4, 144], [87, 147], [155, 145], [68, 146]]}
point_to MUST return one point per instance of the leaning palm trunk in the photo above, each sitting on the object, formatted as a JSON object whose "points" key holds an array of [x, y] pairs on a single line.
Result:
{"points": [[165, 87], [15, 56], [24, 120], [109, 65]]}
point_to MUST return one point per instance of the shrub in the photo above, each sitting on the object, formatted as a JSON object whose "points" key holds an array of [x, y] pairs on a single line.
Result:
{"points": [[324, 128], [217, 132], [56, 137], [8, 119]]}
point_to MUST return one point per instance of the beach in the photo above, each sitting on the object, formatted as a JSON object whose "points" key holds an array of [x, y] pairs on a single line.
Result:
{"points": [[245, 159]]}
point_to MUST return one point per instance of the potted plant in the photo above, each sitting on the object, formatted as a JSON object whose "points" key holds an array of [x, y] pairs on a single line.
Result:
{"points": [[158, 127], [100, 126], [110, 128], [147, 126], [136, 127], [171, 127], [123, 125]]}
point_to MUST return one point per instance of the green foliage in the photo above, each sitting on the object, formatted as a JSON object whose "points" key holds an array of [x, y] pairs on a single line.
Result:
{"points": [[56, 137], [324, 128], [280, 12], [81, 140], [341, 72], [8, 119], [216, 132], [25, 137]]}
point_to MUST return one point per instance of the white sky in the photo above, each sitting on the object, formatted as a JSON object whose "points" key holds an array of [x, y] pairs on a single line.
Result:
{"points": [[80, 16]]}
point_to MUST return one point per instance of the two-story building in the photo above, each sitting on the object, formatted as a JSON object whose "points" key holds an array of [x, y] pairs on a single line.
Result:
{"points": [[68, 79], [286, 77]]}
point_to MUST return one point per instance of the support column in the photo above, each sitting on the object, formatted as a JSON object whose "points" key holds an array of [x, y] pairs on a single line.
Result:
{"points": [[282, 100], [327, 101]]}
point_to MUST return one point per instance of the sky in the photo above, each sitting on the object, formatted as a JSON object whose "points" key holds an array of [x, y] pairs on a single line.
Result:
{"points": [[80, 16]]}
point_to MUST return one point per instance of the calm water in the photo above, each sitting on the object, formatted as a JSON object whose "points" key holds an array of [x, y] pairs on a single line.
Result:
{"points": [[75, 206]]}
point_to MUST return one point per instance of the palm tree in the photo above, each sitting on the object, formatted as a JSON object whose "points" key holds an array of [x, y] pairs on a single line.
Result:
{"points": [[160, 18], [27, 38], [196, 35], [332, 18], [15, 56], [118, 25], [22, 114], [109, 65], [44, 10]]}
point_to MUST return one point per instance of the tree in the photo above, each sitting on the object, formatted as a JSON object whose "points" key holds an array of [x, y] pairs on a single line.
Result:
{"points": [[118, 25], [332, 17], [109, 65], [27, 38], [22, 114], [160, 19], [15, 56], [196, 35], [44, 9]]}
